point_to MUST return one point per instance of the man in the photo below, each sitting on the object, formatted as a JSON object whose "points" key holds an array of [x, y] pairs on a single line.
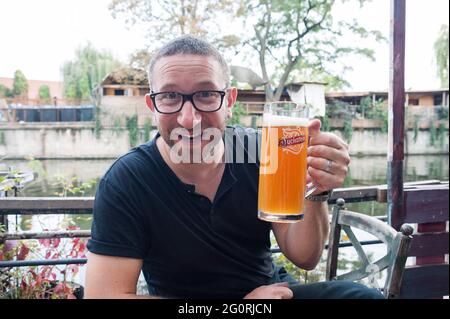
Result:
{"points": [[189, 223]]}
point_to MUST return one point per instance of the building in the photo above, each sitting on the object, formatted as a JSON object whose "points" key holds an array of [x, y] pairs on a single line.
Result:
{"points": [[56, 87], [412, 97]]}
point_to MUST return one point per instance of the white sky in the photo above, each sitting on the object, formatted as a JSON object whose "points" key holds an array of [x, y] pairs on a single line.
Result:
{"points": [[39, 35]]}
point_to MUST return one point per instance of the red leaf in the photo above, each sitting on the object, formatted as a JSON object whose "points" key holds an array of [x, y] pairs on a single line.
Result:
{"points": [[45, 242], [56, 242], [23, 253]]}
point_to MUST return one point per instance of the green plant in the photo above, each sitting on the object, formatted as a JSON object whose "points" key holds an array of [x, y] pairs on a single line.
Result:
{"points": [[433, 133], [72, 186], [238, 111], [416, 128], [348, 129], [5, 91], [2, 137], [41, 282], [133, 131], [44, 93], [20, 84], [441, 133], [98, 123], [147, 129], [117, 126], [325, 124], [364, 105]]}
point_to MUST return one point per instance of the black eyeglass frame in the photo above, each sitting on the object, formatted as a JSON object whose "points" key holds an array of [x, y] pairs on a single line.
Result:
{"points": [[188, 97]]}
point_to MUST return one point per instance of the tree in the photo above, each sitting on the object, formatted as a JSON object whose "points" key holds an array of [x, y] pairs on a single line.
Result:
{"points": [[86, 71], [301, 35], [20, 84], [44, 93], [164, 20], [441, 54], [5, 91]]}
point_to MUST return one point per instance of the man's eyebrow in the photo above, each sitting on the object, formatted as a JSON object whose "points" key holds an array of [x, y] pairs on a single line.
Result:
{"points": [[208, 85]]}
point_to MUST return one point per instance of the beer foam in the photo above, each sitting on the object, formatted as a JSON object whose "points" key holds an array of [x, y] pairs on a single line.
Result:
{"points": [[281, 120]]}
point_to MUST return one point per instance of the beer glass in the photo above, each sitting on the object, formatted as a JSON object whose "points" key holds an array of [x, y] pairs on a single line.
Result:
{"points": [[282, 172]]}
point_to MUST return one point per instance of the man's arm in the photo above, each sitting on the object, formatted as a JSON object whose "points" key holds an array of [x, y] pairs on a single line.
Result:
{"points": [[303, 242], [109, 277]]}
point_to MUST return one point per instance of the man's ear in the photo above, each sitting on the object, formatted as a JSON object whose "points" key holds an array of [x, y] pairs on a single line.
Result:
{"points": [[149, 103], [231, 99]]}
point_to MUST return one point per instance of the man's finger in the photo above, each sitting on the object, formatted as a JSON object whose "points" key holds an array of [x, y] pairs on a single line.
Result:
{"points": [[314, 127], [282, 284]]}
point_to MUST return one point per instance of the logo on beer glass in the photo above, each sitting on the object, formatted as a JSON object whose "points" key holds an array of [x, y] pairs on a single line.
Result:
{"points": [[292, 140]]}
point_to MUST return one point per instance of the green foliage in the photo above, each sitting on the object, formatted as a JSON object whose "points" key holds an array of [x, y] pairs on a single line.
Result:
{"points": [[44, 93], [303, 36], [86, 71], [441, 133], [348, 129], [147, 129], [441, 54], [416, 127], [98, 124], [433, 133], [164, 20], [20, 84], [238, 111], [5, 91], [71, 186], [133, 131], [325, 127], [2, 137], [117, 126], [376, 111], [441, 112], [364, 105]]}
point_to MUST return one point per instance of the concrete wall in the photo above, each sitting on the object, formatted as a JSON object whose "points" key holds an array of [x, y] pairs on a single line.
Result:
{"points": [[117, 108], [62, 141], [79, 141], [374, 142]]}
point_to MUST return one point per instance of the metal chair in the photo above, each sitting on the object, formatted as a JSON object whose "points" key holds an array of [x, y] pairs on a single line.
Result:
{"points": [[397, 244]]}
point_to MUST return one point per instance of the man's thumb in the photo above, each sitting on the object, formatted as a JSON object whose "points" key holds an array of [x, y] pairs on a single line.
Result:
{"points": [[314, 127]]}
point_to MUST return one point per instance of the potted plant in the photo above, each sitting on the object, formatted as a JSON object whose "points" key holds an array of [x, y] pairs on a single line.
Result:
{"points": [[41, 282]]}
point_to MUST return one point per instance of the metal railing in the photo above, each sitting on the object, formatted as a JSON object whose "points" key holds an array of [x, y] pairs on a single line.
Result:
{"points": [[84, 205]]}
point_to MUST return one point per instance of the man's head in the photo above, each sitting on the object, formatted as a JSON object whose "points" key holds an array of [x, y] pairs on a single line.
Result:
{"points": [[189, 82], [189, 45]]}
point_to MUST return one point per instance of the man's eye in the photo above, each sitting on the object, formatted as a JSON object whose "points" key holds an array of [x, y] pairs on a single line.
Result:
{"points": [[169, 96], [207, 94]]}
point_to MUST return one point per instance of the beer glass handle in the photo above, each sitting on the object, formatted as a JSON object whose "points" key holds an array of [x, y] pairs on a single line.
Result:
{"points": [[310, 188]]}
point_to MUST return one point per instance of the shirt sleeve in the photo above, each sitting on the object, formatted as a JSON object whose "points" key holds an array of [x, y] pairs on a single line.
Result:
{"points": [[118, 227]]}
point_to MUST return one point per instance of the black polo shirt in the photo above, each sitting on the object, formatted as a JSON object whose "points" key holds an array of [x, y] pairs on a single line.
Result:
{"points": [[190, 247]]}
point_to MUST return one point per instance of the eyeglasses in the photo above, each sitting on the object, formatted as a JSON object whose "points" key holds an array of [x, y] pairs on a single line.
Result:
{"points": [[173, 102]]}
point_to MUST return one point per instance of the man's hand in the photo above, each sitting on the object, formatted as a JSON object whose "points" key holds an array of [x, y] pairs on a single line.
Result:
{"points": [[328, 159], [279, 290]]}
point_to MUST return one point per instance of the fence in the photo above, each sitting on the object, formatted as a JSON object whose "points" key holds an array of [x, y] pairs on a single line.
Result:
{"points": [[83, 205]]}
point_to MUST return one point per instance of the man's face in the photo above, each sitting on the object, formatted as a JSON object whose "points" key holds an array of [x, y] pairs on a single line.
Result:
{"points": [[186, 74]]}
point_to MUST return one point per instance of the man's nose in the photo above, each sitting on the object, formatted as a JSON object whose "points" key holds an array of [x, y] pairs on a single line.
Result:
{"points": [[188, 117]]}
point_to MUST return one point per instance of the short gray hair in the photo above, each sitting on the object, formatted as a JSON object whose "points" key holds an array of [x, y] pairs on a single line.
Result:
{"points": [[189, 44]]}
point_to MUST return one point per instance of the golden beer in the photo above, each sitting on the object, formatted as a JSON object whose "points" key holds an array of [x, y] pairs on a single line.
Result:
{"points": [[283, 168]]}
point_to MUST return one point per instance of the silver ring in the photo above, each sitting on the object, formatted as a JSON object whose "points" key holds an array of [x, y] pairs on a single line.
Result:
{"points": [[329, 164]]}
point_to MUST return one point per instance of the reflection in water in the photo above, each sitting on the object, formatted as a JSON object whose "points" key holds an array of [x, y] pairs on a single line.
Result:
{"points": [[364, 171], [56, 176]]}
